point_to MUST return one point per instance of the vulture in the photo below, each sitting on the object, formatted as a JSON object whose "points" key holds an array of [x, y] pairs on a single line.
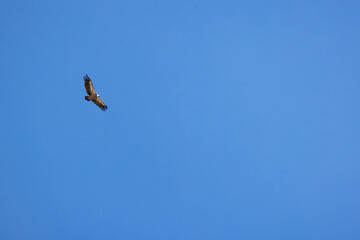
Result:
{"points": [[93, 96]]}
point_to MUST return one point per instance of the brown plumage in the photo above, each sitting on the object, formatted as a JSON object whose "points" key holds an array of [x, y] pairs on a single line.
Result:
{"points": [[93, 96]]}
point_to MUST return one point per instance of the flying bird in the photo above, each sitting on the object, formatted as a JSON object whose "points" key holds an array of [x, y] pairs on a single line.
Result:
{"points": [[93, 96]]}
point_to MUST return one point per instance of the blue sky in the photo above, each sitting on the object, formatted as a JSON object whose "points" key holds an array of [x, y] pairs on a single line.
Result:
{"points": [[226, 120]]}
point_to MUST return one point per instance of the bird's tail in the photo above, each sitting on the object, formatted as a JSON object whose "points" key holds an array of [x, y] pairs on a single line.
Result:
{"points": [[87, 98]]}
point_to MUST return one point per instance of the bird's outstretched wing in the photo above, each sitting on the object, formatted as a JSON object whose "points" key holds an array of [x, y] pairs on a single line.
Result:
{"points": [[100, 103], [89, 85]]}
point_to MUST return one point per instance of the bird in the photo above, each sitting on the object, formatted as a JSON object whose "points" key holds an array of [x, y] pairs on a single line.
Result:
{"points": [[93, 96]]}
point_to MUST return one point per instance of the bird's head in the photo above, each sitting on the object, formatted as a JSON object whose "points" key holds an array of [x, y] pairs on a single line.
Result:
{"points": [[98, 95]]}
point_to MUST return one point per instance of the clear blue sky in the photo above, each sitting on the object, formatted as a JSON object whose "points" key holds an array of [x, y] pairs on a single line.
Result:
{"points": [[226, 120]]}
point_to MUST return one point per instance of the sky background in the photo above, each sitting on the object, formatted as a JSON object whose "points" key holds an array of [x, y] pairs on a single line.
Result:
{"points": [[226, 120]]}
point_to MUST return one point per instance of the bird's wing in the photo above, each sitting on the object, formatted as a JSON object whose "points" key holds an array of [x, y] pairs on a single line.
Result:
{"points": [[89, 85], [100, 103]]}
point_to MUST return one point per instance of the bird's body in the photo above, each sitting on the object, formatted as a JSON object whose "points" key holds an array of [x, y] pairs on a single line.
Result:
{"points": [[92, 95]]}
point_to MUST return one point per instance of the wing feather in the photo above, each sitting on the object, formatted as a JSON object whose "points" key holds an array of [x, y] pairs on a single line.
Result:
{"points": [[89, 85], [100, 103]]}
